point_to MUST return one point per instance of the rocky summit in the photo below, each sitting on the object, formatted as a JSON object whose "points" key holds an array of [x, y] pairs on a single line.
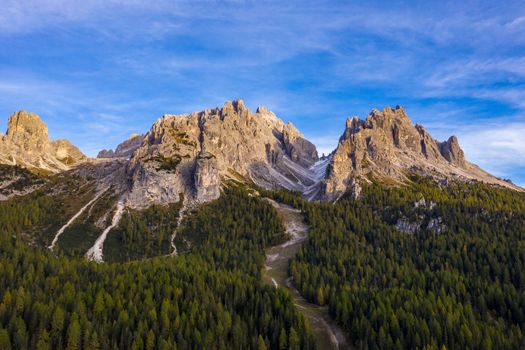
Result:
{"points": [[386, 146], [195, 154], [26, 143]]}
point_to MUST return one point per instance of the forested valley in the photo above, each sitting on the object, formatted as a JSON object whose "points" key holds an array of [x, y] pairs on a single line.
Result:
{"points": [[208, 297], [455, 281]]}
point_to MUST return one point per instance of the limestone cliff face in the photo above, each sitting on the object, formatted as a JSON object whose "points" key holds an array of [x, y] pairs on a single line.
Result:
{"points": [[387, 146], [27, 132], [125, 149], [189, 153], [26, 143]]}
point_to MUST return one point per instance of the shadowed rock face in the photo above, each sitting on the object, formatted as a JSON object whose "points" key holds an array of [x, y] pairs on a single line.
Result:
{"points": [[26, 143], [451, 151], [123, 150], [386, 146]]}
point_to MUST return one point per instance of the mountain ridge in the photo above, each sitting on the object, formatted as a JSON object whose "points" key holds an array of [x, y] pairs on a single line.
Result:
{"points": [[194, 154]]}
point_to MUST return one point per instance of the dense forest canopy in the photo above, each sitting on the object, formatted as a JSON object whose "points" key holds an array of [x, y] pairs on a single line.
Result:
{"points": [[209, 297], [456, 279]]}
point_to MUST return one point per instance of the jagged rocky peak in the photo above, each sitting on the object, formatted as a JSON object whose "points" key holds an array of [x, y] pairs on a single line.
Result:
{"points": [[452, 152], [124, 149], [297, 147], [387, 145], [186, 153], [27, 131], [26, 143]]}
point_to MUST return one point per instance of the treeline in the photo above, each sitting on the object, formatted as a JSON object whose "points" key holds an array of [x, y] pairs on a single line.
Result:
{"points": [[208, 297], [461, 288]]}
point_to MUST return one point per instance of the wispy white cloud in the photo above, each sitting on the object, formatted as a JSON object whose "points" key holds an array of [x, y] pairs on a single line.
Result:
{"points": [[496, 147], [312, 62]]}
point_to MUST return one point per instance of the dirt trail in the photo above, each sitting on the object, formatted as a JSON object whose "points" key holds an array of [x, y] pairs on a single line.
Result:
{"points": [[328, 334], [73, 218], [186, 206]]}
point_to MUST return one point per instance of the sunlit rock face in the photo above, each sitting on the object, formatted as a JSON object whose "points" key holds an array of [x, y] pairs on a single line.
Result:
{"points": [[26, 143], [386, 146], [194, 153]]}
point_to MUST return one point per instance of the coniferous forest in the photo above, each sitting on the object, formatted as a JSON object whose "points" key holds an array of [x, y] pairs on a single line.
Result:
{"points": [[457, 282], [207, 298], [420, 266]]}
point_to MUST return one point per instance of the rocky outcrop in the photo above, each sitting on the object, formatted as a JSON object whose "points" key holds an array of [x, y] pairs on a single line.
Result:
{"points": [[66, 152], [125, 149], [207, 179], [451, 151], [386, 146], [26, 143], [195, 154], [297, 148]]}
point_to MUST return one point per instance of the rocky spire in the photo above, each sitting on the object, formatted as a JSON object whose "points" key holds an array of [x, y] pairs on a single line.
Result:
{"points": [[27, 131], [26, 143], [124, 149], [452, 152]]}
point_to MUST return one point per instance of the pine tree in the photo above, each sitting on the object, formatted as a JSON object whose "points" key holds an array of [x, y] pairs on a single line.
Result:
{"points": [[5, 342], [73, 333], [294, 341], [283, 340], [261, 345], [43, 342]]}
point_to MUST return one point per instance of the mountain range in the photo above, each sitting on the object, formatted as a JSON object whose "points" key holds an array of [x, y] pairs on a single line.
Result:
{"points": [[195, 154]]}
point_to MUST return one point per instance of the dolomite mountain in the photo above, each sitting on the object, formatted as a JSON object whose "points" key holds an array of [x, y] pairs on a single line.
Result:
{"points": [[26, 143], [387, 146], [195, 154]]}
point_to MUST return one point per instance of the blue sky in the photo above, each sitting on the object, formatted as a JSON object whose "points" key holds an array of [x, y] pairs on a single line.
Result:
{"points": [[97, 71]]}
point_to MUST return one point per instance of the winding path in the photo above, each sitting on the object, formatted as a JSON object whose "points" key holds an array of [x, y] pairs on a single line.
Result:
{"points": [[328, 334]]}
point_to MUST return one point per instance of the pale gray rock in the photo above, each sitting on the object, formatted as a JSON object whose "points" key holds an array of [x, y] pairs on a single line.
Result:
{"points": [[404, 225], [436, 225], [207, 179], [191, 152]]}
